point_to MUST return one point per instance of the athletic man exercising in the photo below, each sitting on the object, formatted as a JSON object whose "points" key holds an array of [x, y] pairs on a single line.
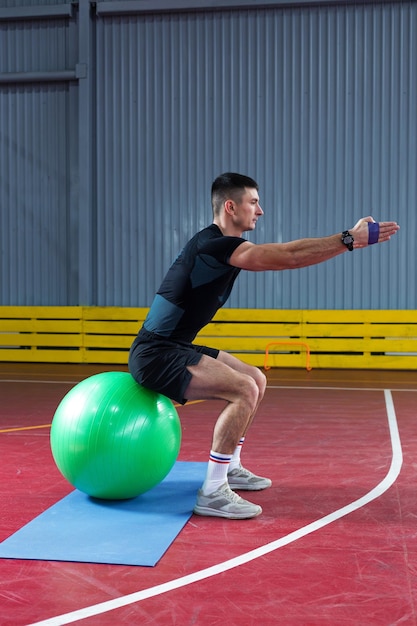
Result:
{"points": [[198, 283]]}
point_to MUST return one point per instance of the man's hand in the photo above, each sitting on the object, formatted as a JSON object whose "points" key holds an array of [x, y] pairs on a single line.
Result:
{"points": [[361, 235]]}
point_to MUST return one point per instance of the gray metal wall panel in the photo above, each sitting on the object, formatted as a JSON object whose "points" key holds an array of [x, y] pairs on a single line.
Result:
{"points": [[317, 104], [35, 243], [16, 4], [38, 237]]}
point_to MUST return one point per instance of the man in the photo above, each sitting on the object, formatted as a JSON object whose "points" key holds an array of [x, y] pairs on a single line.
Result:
{"points": [[163, 357]]}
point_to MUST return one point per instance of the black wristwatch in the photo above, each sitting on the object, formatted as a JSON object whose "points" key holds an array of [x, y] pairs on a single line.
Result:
{"points": [[348, 240]]}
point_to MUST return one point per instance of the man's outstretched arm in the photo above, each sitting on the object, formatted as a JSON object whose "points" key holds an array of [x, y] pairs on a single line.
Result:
{"points": [[309, 251]]}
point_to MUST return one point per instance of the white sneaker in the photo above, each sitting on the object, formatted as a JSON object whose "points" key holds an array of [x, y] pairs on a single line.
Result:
{"points": [[241, 478], [225, 503]]}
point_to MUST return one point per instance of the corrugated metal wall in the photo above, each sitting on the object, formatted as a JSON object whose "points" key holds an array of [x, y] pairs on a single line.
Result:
{"points": [[317, 103], [38, 158]]}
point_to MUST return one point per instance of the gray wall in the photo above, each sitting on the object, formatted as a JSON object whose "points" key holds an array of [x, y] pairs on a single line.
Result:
{"points": [[115, 120]]}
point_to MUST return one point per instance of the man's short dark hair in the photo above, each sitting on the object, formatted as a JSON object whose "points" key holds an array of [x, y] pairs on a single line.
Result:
{"points": [[229, 185]]}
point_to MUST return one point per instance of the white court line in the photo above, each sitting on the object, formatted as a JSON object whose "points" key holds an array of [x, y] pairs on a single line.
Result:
{"points": [[337, 388], [377, 491]]}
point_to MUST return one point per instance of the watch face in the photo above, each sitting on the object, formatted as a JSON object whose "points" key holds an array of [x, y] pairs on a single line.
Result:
{"points": [[348, 240]]}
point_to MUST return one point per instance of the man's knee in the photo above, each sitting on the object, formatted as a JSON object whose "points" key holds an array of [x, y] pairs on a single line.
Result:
{"points": [[260, 380], [249, 392]]}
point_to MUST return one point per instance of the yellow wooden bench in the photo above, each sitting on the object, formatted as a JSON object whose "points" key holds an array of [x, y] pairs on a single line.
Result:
{"points": [[264, 337], [41, 334], [317, 338]]}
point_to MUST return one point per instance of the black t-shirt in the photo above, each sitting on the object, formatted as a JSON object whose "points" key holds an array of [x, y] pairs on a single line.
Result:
{"points": [[197, 284]]}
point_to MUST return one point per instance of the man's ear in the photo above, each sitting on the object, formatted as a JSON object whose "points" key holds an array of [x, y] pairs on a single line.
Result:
{"points": [[229, 207]]}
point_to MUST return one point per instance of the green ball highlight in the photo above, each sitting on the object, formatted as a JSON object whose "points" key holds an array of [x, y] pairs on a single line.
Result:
{"points": [[112, 438]]}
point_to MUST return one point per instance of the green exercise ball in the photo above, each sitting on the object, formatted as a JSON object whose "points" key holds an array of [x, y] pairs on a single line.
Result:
{"points": [[112, 438]]}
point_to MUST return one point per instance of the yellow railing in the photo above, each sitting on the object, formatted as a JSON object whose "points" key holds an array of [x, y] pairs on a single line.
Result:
{"points": [[353, 339]]}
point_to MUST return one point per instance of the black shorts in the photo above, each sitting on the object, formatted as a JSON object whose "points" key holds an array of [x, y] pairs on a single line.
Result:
{"points": [[161, 365]]}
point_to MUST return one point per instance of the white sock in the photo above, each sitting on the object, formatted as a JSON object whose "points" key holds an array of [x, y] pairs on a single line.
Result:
{"points": [[217, 469], [235, 462]]}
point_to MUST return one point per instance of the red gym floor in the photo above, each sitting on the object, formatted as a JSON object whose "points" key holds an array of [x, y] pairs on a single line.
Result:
{"points": [[336, 544]]}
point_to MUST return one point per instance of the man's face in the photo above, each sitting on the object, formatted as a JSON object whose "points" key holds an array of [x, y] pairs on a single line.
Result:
{"points": [[248, 210]]}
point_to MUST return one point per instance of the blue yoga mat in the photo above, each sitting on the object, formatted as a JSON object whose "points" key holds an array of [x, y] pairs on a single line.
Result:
{"points": [[124, 532]]}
